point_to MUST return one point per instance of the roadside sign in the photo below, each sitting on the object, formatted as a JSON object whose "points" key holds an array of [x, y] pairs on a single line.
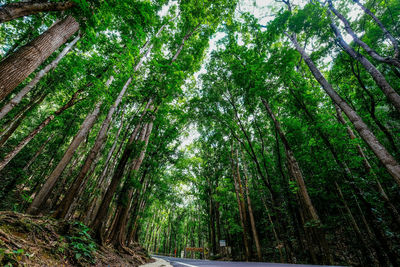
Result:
{"points": [[222, 243]]}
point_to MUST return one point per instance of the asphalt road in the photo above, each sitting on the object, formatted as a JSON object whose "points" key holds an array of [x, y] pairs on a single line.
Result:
{"points": [[179, 262]]}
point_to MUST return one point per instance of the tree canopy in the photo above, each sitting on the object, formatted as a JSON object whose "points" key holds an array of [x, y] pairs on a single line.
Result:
{"points": [[271, 125]]}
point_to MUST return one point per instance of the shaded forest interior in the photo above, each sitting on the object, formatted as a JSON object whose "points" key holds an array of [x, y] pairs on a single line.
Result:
{"points": [[157, 125]]}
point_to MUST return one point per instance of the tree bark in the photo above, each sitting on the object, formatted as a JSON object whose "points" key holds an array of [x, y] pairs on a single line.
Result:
{"points": [[252, 221], [278, 242], [241, 206], [393, 210], [311, 215], [120, 236], [372, 107], [366, 134], [37, 130], [390, 61], [379, 79], [43, 194], [18, 66], [388, 35], [100, 139], [365, 247], [101, 183], [38, 153], [211, 221], [97, 223], [17, 99], [98, 144], [14, 124], [348, 176], [12, 11]]}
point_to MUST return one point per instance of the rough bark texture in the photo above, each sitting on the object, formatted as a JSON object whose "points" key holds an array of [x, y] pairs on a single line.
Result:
{"points": [[17, 99], [102, 183], [120, 236], [366, 134], [18, 66], [98, 144], [20, 9], [48, 186], [77, 185], [97, 223]]}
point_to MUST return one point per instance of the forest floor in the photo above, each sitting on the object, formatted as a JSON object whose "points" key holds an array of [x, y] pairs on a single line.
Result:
{"points": [[27, 240]]}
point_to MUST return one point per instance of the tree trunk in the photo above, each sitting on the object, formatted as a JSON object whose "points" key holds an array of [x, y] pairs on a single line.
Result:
{"points": [[98, 144], [242, 212], [48, 186], [12, 11], [136, 209], [217, 225], [378, 77], [278, 242], [211, 220], [101, 183], [390, 61], [252, 221], [120, 236], [388, 35], [380, 151], [37, 130], [10, 129], [372, 107], [17, 99], [97, 223], [346, 174], [365, 247], [100, 139], [381, 242], [38, 152], [311, 215], [18, 66], [60, 187], [393, 210], [251, 151]]}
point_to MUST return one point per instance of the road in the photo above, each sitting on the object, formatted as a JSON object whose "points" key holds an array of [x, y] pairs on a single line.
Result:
{"points": [[179, 262]]}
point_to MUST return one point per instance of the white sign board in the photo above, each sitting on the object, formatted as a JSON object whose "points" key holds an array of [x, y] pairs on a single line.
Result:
{"points": [[222, 243]]}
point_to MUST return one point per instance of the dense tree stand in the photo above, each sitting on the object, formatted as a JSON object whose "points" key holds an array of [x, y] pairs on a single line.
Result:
{"points": [[219, 130]]}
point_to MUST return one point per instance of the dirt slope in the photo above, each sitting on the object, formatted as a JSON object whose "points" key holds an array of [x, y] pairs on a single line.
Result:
{"points": [[27, 240]]}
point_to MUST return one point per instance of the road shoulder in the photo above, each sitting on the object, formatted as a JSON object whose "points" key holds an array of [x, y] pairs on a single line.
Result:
{"points": [[158, 263]]}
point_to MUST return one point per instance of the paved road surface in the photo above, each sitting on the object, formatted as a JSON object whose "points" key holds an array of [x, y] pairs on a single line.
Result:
{"points": [[179, 262]]}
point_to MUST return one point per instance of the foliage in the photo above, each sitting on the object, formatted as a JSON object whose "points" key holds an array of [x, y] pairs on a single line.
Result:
{"points": [[245, 145], [81, 243]]}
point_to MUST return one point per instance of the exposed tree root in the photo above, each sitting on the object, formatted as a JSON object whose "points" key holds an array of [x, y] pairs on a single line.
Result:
{"points": [[27, 240]]}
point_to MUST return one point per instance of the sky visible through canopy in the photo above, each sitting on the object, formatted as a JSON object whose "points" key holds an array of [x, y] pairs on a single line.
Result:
{"points": [[263, 10]]}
